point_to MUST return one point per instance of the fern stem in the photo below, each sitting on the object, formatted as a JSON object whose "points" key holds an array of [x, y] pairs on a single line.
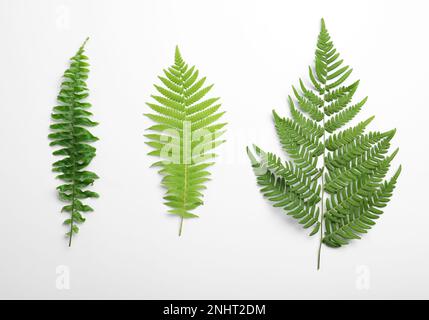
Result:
{"points": [[74, 169], [72, 220], [183, 143], [73, 190], [185, 190], [181, 226], [73, 195], [322, 212], [322, 205]]}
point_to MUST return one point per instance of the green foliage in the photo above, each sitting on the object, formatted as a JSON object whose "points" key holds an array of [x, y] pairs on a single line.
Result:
{"points": [[184, 136], [343, 196], [71, 136]]}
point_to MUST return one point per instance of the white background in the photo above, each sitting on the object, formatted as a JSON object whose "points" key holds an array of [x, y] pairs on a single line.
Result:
{"points": [[240, 247]]}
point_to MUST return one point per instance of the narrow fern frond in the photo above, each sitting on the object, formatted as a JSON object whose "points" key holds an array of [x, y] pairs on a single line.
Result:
{"points": [[69, 132], [348, 186], [186, 132]]}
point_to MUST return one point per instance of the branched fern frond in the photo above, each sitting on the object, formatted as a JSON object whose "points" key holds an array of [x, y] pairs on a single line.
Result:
{"points": [[71, 136], [184, 136], [343, 195]]}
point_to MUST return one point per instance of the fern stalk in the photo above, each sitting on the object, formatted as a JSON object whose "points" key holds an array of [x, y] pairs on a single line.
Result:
{"points": [[352, 189], [185, 188], [322, 208]]}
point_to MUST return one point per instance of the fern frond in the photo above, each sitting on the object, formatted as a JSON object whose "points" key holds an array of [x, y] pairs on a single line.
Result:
{"points": [[342, 118], [69, 132], [343, 155], [339, 99], [340, 178], [312, 96], [186, 132], [336, 94], [349, 186], [287, 188], [312, 127], [301, 145], [340, 204], [346, 136], [360, 219], [308, 106]]}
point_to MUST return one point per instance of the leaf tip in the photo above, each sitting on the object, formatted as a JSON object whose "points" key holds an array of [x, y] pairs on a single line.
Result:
{"points": [[322, 24], [369, 119], [398, 171], [390, 133], [177, 54], [275, 115], [84, 43]]}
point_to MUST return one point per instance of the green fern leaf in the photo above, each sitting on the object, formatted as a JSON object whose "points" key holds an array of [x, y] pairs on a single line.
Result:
{"points": [[69, 133], [342, 197], [184, 136]]}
